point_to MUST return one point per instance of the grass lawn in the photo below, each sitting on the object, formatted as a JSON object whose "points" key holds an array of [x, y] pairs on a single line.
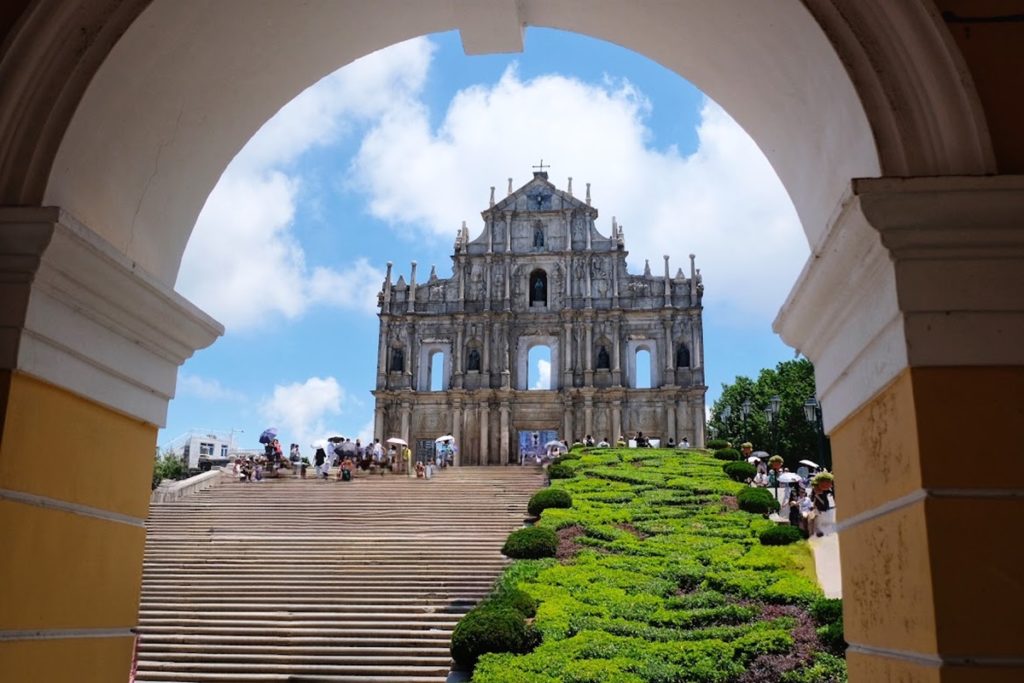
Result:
{"points": [[660, 578]]}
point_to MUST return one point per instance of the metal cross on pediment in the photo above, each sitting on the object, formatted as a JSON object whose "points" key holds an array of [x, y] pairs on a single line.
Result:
{"points": [[540, 167]]}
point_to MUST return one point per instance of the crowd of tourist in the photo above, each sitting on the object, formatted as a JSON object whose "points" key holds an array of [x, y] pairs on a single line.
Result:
{"points": [[806, 497]]}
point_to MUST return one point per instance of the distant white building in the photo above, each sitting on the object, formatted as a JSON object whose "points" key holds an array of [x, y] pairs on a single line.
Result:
{"points": [[203, 448]]}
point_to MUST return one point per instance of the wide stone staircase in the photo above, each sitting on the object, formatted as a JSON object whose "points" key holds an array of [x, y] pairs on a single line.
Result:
{"points": [[306, 580]]}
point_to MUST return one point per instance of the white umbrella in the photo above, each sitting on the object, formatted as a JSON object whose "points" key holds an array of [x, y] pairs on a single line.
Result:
{"points": [[396, 440], [753, 458], [444, 439], [555, 444], [760, 454], [320, 443], [789, 478], [810, 464]]}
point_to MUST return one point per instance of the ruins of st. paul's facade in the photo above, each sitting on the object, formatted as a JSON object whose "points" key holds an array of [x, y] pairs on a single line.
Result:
{"points": [[539, 274]]}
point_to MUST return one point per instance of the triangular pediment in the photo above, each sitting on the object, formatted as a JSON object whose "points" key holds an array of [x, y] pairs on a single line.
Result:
{"points": [[539, 194]]}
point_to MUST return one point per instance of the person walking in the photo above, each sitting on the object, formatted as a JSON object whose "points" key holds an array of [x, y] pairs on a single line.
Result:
{"points": [[407, 459]]}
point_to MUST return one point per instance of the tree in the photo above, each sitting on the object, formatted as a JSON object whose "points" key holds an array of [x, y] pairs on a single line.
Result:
{"points": [[789, 434], [168, 466]]}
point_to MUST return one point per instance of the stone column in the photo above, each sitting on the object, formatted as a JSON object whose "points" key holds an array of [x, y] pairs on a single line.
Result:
{"points": [[615, 282], [567, 409], [567, 357], [456, 431], [568, 282], [588, 415], [589, 293], [378, 422], [588, 368], [503, 432], [616, 420], [508, 231], [670, 419], [487, 282], [616, 354], [485, 360], [412, 289], [457, 369], [668, 285], [406, 419], [670, 356], [508, 284], [910, 310], [697, 413], [386, 304], [382, 353], [485, 423]]}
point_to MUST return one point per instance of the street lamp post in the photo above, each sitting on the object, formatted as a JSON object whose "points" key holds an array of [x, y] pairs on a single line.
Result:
{"points": [[812, 413], [745, 410], [774, 404], [726, 414]]}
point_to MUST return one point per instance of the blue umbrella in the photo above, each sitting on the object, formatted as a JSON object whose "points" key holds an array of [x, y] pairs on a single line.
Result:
{"points": [[268, 435]]}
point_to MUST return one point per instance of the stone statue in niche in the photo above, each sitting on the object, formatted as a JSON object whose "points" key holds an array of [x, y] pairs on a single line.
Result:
{"points": [[397, 360], [603, 360], [682, 357], [473, 360], [538, 234]]}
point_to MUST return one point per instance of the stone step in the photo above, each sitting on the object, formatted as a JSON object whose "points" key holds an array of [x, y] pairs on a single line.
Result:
{"points": [[305, 580]]}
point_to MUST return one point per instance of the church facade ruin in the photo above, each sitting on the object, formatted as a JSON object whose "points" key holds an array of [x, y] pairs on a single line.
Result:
{"points": [[540, 274]]}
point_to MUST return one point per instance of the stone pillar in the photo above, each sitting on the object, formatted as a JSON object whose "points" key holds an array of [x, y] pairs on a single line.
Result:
{"points": [[406, 419], [567, 223], [90, 347], [616, 421], [568, 282], [615, 282], [697, 413], [457, 368], [588, 368], [456, 430], [485, 360], [910, 309], [386, 303], [670, 355], [412, 289], [567, 356], [589, 293], [382, 353], [503, 432], [487, 282], [508, 284], [378, 421], [460, 267], [567, 409], [485, 444], [508, 231], [616, 354], [670, 419], [588, 415]]}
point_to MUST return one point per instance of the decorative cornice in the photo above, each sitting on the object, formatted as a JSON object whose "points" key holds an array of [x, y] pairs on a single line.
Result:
{"points": [[94, 322]]}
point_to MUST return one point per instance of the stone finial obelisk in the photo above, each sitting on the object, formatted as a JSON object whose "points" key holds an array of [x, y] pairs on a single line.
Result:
{"points": [[386, 308], [569, 190], [588, 194], [412, 289], [668, 284], [492, 195]]}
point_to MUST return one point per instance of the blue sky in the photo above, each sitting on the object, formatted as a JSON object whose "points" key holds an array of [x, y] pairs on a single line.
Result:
{"points": [[384, 159]]}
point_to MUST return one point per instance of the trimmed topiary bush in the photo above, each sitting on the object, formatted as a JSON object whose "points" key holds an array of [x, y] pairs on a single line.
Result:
{"points": [[727, 454], [559, 471], [718, 444], [530, 543], [516, 599], [757, 500], [490, 629], [831, 636], [739, 470], [827, 610], [782, 534], [548, 498]]}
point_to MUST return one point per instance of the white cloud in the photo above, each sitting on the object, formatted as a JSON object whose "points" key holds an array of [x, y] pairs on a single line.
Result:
{"points": [[243, 263], [723, 202], [195, 386], [543, 375], [300, 411]]}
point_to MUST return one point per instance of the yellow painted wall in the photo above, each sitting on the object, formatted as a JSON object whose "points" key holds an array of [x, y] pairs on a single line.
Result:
{"points": [[104, 458], [74, 660]]}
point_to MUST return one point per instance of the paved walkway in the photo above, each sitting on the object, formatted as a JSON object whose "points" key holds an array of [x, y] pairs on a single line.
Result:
{"points": [[303, 580], [826, 564]]}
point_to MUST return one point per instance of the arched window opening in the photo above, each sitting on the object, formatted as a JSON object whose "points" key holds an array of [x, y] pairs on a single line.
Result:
{"points": [[397, 360], [682, 357], [539, 373], [539, 288], [604, 361], [473, 360], [643, 369], [437, 371], [538, 234]]}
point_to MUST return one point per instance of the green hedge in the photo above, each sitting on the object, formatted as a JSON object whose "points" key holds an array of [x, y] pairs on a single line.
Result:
{"points": [[739, 470], [781, 534], [560, 471], [548, 498], [516, 599], [757, 500], [531, 543], [727, 454], [490, 629], [718, 444]]}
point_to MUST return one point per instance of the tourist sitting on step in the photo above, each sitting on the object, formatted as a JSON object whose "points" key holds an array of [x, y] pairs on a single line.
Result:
{"points": [[345, 470]]}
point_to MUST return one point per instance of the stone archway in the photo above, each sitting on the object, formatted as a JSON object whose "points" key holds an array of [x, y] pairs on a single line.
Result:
{"points": [[116, 115]]}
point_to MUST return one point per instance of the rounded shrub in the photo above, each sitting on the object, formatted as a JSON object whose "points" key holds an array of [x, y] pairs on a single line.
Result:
{"points": [[530, 543], [727, 454], [717, 444], [827, 610], [739, 470], [514, 598], [831, 636], [781, 534], [757, 500], [560, 471], [548, 498], [490, 629]]}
